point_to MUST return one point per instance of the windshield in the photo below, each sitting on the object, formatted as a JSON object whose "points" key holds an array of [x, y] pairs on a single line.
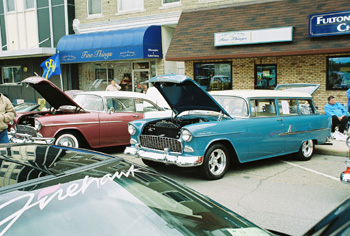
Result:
{"points": [[235, 106], [89, 102]]}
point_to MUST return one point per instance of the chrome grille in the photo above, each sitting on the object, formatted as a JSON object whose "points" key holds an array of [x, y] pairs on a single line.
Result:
{"points": [[26, 129], [160, 143]]}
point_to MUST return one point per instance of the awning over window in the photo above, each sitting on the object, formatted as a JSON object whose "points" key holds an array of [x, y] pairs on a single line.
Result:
{"points": [[137, 43]]}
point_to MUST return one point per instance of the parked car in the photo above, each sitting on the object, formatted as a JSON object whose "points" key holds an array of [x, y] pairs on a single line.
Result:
{"points": [[55, 190], [212, 131], [94, 119]]}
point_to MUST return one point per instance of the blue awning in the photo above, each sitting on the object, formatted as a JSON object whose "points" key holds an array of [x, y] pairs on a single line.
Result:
{"points": [[137, 43]]}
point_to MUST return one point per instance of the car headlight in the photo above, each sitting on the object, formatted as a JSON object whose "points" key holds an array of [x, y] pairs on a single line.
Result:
{"points": [[37, 124], [131, 129], [186, 135]]}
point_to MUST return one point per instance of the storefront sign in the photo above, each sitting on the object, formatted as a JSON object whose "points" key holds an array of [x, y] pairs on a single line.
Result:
{"points": [[110, 54], [283, 34], [326, 24]]}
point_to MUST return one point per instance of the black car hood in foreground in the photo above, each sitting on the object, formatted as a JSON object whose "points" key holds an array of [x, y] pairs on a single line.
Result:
{"points": [[52, 94], [51, 190], [184, 94]]}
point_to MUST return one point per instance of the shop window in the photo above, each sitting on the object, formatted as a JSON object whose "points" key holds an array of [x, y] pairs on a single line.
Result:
{"points": [[29, 4], [265, 76], [213, 76], [338, 73], [11, 74], [94, 7], [11, 5], [127, 5]]}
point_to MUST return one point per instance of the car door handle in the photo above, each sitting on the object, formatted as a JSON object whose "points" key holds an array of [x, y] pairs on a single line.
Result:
{"points": [[136, 116], [280, 119]]}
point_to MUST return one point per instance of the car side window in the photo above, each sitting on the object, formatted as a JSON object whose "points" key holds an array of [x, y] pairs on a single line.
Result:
{"points": [[306, 107], [263, 108], [287, 107], [120, 104], [144, 106]]}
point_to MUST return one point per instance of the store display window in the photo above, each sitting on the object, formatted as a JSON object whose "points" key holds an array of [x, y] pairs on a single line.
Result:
{"points": [[213, 76], [338, 73], [265, 76]]}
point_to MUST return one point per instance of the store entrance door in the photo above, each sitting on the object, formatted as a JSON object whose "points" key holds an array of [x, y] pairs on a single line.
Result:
{"points": [[139, 77]]}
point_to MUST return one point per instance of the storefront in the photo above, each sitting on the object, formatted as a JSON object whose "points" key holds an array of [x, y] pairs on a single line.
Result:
{"points": [[259, 45], [130, 57]]}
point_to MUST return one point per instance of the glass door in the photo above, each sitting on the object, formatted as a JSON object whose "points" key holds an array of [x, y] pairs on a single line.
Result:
{"points": [[140, 75]]}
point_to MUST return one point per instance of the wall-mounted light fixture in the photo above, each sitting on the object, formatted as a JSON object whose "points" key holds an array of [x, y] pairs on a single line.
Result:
{"points": [[25, 69]]}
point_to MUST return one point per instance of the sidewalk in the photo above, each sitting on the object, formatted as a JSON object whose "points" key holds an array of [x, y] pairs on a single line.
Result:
{"points": [[338, 148]]}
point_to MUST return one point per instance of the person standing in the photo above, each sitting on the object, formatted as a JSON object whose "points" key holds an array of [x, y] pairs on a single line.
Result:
{"points": [[7, 114], [339, 117], [113, 86]]}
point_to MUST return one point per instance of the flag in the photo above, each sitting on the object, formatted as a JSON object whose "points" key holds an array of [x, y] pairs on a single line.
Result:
{"points": [[51, 66]]}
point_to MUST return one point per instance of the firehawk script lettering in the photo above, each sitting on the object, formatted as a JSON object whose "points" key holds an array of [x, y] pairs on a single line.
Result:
{"points": [[48, 194]]}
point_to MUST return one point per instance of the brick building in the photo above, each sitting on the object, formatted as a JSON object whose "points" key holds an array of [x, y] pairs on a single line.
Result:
{"points": [[260, 45], [99, 19]]}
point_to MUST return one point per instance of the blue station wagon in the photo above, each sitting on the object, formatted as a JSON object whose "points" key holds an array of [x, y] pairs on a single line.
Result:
{"points": [[213, 130]]}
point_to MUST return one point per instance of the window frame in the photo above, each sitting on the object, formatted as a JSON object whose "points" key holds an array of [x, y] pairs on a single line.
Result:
{"points": [[329, 85], [13, 79], [130, 10], [93, 14], [256, 75]]}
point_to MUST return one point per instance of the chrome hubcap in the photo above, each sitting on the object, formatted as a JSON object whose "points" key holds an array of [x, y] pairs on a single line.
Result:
{"points": [[217, 162], [307, 148], [67, 142]]}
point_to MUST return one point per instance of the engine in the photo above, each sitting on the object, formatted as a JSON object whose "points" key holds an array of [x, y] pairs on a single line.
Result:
{"points": [[170, 128]]}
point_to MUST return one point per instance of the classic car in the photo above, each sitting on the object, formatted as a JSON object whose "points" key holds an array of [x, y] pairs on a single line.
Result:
{"points": [[213, 130], [93, 119], [55, 190]]}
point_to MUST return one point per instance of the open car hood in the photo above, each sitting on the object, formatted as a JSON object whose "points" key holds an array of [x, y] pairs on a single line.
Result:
{"points": [[184, 94], [50, 92], [301, 87]]}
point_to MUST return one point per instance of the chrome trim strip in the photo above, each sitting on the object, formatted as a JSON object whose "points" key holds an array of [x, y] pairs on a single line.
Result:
{"points": [[299, 132], [115, 121], [77, 123]]}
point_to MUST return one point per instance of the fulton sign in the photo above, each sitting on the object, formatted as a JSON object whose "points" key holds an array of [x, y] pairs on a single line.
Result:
{"points": [[327, 24]]}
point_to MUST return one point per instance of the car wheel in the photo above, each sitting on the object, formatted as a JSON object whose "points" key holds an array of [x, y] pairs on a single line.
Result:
{"points": [[216, 162], [306, 150], [153, 164], [68, 139]]}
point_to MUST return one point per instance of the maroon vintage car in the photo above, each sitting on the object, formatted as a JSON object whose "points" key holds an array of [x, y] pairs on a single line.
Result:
{"points": [[92, 119]]}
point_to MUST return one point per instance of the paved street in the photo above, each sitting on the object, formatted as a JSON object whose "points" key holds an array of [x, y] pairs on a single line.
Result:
{"points": [[280, 194]]}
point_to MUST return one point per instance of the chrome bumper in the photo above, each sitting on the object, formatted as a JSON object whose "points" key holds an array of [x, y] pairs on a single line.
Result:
{"points": [[165, 157], [26, 138]]}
